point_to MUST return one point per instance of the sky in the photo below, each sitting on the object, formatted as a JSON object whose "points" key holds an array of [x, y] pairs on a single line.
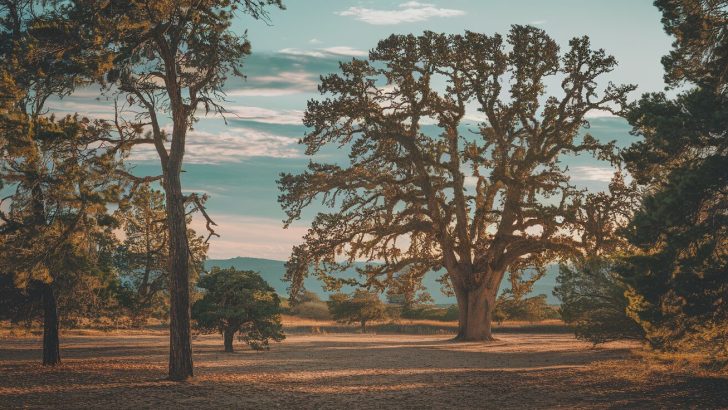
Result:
{"points": [[237, 163]]}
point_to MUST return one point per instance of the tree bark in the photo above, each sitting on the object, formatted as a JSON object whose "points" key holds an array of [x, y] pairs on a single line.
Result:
{"points": [[51, 345], [228, 335], [475, 314], [180, 338]]}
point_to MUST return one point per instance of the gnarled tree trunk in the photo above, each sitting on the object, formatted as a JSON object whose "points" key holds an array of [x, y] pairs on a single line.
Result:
{"points": [[180, 338], [475, 313], [51, 345], [228, 334]]}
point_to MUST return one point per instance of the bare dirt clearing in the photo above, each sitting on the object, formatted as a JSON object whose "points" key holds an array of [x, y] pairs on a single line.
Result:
{"points": [[348, 370]]}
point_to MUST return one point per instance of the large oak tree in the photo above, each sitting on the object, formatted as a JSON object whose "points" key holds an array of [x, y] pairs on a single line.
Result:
{"points": [[424, 188]]}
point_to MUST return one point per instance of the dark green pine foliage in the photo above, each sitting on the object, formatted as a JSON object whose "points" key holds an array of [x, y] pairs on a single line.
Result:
{"points": [[239, 302], [679, 275]]}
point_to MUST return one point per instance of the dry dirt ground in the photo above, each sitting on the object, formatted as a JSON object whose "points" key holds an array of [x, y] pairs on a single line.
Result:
{"points": [[349, 371]]}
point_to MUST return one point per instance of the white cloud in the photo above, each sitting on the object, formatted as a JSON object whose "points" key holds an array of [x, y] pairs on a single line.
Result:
{"points": [[228, 146], [599, 114], [591, 173], [300, 79], [537, 22], [91, 110], [315, 41], [409, 12], [339, 51], [250, 236], [262, 92], [265, 115], [280, 84], [346, 51], [303, 53]]}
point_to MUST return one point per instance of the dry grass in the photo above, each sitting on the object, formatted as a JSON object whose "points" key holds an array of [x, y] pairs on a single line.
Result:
{"points": [[126, 369], [297, 325]]}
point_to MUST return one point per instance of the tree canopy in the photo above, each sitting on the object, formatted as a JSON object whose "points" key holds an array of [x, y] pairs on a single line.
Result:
{"points": [[427, 188], [239, 302], [59, 173], [360, 307], [142, 259]]}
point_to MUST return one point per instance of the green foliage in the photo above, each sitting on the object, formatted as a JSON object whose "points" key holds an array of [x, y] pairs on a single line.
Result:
{"points": [[239, 302], [312, 310], [360, 307], [430, 312], [407, 291], [677, 276], [594, 303], [700, 49], [531, 309], [310, 306], [142, 260]]}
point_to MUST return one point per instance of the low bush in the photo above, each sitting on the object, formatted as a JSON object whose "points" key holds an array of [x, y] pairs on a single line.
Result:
{"points": [[311, 310], [531, 309]]}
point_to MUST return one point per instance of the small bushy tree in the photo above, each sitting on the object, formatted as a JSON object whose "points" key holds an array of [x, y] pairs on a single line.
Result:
{"points": [[407, 291], [593, 301], [239, 302], [360, 307]]}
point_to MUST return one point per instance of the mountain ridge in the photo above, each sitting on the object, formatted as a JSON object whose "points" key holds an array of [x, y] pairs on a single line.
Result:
{"points": [[273, 272]]}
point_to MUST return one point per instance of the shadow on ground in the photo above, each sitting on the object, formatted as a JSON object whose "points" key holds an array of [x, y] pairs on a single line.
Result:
{"points": [[355, 371]]}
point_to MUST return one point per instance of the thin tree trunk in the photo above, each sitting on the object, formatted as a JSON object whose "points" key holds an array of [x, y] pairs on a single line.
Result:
{"points": [[180, 338], [363, 326], [51, 345], [228, 335]]}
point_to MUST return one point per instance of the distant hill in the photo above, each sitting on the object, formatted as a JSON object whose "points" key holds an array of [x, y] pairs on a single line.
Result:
{"points": [[273, 271]]}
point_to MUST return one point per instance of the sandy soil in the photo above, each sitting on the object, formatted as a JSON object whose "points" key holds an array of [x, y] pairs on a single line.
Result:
{"points": [[349, 371]]}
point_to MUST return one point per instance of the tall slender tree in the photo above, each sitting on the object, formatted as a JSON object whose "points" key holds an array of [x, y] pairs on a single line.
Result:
{"points": [[172, 57], [423, 189]]}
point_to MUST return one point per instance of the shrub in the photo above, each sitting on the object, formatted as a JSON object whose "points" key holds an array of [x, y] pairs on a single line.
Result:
{"points": [[361, 307], [239, 302], [532, 309], [312, 310], [431, 312], [593, 302]]}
